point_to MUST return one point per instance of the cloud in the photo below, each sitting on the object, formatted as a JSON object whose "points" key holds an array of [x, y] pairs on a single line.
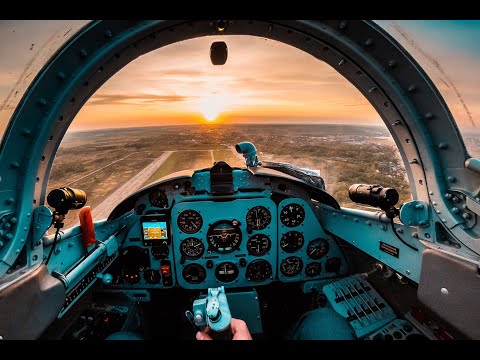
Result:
{"points": [[138, 99]]}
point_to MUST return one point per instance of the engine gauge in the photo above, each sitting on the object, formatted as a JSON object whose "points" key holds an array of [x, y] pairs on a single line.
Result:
{"points": [[190, 221], [224, 236], [192, 248], [291, 241], [194, 273], [313, 269], [152, 276], [258, 245], [258, 270], [292, 215], [258, 218], [226, 272], [317, 248], [291, 266], [158, 198]]}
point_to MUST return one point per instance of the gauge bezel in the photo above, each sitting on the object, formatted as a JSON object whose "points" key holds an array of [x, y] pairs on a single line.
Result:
{"points": [[289, 251], [258, 261], [292, 204], [188, 256], [213, 226], [310, 245], [265, 252], [312, 264], [185, 230], [255, 227], [189, 266], [156, 191], [295, 274], [237, 271]]}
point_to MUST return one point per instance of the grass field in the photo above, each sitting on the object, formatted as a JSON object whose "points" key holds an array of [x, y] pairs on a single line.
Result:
{"points": [[182, 160]]}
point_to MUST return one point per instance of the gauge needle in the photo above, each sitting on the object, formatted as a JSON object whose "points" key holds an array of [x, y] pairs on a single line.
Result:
{"points": [[194, 225]]}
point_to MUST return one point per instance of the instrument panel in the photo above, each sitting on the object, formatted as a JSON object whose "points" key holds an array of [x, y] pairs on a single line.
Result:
{"points": [[231, 242], [199, 241]]}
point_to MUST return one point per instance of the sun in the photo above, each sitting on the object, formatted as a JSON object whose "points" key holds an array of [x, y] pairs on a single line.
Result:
{"points": [[212, 105]]}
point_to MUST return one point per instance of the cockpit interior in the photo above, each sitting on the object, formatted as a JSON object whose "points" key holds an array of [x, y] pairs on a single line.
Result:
{"points": [[247, 234]]}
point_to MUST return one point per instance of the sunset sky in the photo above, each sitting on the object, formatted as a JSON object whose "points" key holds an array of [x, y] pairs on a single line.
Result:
{"points": [[263, 81]]}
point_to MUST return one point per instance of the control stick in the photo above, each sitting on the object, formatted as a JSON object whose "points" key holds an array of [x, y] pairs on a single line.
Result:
{"points": [[213, 311]]}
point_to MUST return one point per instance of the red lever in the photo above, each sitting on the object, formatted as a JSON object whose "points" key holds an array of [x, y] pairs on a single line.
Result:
{"points": [[165, 270], [86, 226]]}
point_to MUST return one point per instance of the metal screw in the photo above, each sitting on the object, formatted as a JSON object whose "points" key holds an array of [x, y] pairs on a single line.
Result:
{"points": [[419, 206], [10, 201], [356, 220], [15, 164], [384, 227], [415, 235], [407, 272], [466, 216], [414, 161], [35, 257], [397, 122], [369, 223], [451, 179], [412, 88], [443, 146], [434, 203], [423, 223], [60, 75], [70, 244], [341, 62], [342, 25], [427, 235], [455, 210], [57, 251], [431, 192], [428, 115], [444, 291], [400, 231], [42, 102], [448, 196], [444, 220]]}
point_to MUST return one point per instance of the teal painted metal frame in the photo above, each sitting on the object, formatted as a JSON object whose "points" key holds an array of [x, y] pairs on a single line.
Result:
{"points": [[407, 100]]}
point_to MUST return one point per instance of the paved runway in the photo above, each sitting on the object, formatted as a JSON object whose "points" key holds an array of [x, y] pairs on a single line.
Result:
{"points": [[102, 210]]}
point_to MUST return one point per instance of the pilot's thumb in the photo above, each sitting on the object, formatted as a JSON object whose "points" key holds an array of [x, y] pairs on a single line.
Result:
{"points": [[202, 336]]}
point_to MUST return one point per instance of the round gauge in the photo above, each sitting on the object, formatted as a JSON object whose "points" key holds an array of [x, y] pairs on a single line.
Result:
{"points": [[291, 266], [190, 221], [291, 241], [313, 269], [258, 218], [258, 245], [292, 215], [158, 198], [192, 248], [258, 270], [317, 248], [194, 273], [224, 237], [152, 276], [226, 272]]}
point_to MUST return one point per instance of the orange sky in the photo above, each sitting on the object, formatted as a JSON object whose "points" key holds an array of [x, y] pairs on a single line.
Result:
{"points": [[262, 81]]}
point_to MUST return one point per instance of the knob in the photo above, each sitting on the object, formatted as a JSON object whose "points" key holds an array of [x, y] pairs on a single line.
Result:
{"points": [[209, 264], [243, 262], [107, 279]]}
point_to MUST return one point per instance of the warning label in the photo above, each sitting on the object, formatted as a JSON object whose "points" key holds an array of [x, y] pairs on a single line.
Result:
{"points": [[389, 249]]}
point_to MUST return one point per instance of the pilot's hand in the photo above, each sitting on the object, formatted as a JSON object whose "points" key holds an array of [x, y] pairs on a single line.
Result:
{"points": [[239, 331]]}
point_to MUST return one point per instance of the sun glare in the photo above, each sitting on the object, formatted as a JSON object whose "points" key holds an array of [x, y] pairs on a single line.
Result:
{"points": [[212, 105]]}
